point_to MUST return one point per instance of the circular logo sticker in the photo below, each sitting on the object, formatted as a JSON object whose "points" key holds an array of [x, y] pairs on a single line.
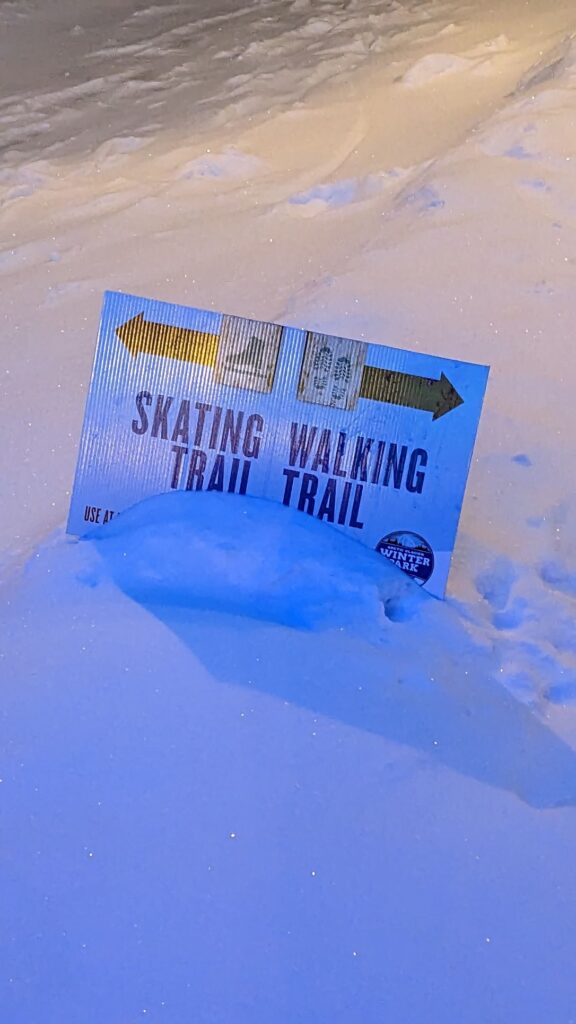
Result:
{"points": [[410, 552]]}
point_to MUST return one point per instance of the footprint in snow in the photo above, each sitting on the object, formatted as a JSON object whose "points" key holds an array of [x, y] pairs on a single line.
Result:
{"points": [[495, 583]]}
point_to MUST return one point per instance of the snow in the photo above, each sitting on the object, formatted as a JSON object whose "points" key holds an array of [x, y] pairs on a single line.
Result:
{"points": [[238, 556], [250, 773]]}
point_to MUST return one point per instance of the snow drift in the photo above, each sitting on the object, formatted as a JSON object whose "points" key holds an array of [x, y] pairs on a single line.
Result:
{"points": [[251, 557]]}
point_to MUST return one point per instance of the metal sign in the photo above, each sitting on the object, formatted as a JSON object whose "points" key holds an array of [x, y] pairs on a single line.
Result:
{"points": [[376, 441]]}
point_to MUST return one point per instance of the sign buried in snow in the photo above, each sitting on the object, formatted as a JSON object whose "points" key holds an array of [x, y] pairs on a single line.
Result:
{"points": [[373, 440]]}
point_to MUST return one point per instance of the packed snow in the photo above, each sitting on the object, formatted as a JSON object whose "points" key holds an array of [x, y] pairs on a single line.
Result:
{"points": [[249, 772]]}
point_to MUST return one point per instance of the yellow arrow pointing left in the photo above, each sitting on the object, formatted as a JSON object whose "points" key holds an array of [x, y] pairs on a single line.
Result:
{"points": [[189, 346]]}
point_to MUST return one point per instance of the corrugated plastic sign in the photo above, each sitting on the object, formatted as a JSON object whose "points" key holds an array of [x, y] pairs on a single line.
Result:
{"points": [[375, 441]]}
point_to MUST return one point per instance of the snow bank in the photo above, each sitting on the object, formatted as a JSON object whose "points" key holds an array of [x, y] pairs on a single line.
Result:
{"points": [[251, 557]]}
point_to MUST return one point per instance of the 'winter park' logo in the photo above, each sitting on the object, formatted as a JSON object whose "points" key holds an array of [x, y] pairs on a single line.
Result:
{"points": [[410, 552]]}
